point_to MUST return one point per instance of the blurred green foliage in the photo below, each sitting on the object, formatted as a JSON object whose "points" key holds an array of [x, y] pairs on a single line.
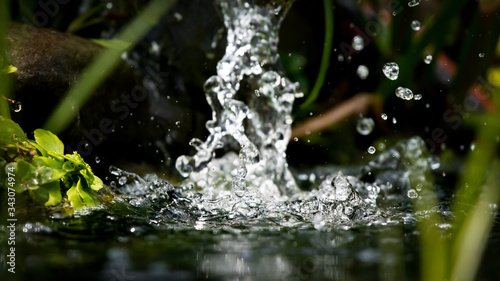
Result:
{"points": [[40, 167]]}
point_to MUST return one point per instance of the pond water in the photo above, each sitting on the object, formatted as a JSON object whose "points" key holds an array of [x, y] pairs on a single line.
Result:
{"points": [[245, 215]]}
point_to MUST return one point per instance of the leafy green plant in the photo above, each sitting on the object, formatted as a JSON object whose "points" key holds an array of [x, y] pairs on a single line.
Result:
{"points": [[40, 167]]}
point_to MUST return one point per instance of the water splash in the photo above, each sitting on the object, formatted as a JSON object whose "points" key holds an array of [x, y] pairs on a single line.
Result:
{"points": [[251, 101], [339, 198]]}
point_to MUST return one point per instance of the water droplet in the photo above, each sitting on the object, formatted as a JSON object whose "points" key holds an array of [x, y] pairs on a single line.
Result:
{"points": [[362, 72], [472, 147], [481, 55], [296, 139], [177, 123], [428, 59], [413, 3], [394, 121], [412, 193], [340, 58], [417, 97], [16, 106], [358, 43], [434, 162], [371, 150], [384, 116], [122, 180], [391, 70], [97, 160], [257, 92], [178, 17], [365, 126], [404, 93], [381, 146], [415, 25]]}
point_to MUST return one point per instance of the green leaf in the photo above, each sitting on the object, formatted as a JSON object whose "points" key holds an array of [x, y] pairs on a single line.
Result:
{"points": [[68, 167], [39, 195], [88, 195], [49, 141], [24, 175], [54, 165], [97, 184], [74, 198], [9, 130], [8, 69], [3, 175], [54, 191], [80, 195]]}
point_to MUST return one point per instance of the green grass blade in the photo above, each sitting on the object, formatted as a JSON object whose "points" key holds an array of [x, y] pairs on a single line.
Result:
{"points": [[473, 235], [475, 191], [433, 250], [102, 66], [4, 79], [325, 59]]}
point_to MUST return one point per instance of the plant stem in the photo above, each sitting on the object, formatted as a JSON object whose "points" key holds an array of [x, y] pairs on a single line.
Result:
{"points": [[325, 59], [4, 78]]}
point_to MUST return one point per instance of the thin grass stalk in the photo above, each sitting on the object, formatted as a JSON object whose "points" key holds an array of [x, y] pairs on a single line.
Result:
{"points": [[473, 235], [4, 79], [325, 59], [473, 196]]}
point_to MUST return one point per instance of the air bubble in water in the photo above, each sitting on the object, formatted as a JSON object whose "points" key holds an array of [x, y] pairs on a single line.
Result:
{"points": [[391, 70], [413, 3], [371, 150], [362, 72], [417, 97], [365, 126], [481, 55], [97, 160], [384, 116], [428, 59], [404, 93], [415, 25], [394, 121], [358, 43], [340, 57], [412, 193]]}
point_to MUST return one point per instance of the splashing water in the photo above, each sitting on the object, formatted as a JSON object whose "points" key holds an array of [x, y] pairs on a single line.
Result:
{"points": [[251, 103]]}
